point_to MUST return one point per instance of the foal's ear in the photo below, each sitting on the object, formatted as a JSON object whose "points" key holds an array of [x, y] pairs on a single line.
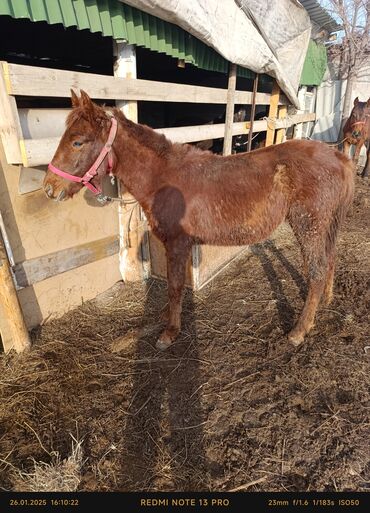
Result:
{"points": [[356, 101], [94, 113], [85, 100], [74, 99]]}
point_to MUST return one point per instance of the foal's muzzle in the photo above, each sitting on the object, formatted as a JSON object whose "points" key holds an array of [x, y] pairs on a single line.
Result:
{"points": [[49, 191]]}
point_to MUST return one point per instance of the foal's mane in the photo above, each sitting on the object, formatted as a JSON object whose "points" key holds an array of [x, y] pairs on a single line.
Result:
{"points": [[143, 134]]}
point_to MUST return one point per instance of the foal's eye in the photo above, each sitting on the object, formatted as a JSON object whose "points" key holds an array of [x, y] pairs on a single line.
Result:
{"points": [[77, 144]]}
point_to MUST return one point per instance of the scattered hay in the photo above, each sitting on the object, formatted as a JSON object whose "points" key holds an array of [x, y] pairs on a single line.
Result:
{"points": [[56, 476], [231, 405]]}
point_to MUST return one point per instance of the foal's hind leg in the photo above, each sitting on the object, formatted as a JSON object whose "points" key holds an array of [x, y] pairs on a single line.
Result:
{"points": [[306, 320], [177, 254], [329, 282], [312, 242], [356, 156]]}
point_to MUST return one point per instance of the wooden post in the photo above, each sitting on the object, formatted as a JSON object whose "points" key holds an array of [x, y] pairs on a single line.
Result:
{"points": [[298, 129], [274, 102], [229, 118], [17, 337], [281, 132], [10, 131], [131, 267], [253, 112]]}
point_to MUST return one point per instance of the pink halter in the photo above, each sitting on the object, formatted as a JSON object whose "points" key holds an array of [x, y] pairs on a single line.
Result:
{"points": [[93, 171]]}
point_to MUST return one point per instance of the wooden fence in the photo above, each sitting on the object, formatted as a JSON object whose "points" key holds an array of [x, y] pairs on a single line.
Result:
{"points": [[20, 80]]}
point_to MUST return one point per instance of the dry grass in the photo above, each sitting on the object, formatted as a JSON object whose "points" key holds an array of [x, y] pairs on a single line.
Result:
{"points": [[56, 476], [231, 405]]}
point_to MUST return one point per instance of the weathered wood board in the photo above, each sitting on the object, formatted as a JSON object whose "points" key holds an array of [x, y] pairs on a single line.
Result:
{"points": [[39, 269], [36, 81]]}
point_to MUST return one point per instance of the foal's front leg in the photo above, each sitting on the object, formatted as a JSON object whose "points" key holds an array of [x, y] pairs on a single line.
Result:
{"points": [[357, 153], [177, 254]]}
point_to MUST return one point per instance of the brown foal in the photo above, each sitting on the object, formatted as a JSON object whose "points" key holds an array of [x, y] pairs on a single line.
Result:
{"points": [[192, 196]]}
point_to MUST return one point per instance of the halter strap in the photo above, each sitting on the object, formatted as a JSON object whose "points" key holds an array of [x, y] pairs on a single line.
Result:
{"points": [[93, 170]]}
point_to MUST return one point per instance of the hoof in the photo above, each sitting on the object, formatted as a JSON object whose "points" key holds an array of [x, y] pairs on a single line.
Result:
{"points": [[295, 338], [163, 342]]}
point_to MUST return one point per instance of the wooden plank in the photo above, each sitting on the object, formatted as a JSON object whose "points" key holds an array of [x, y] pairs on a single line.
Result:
{"points": [[204, 132], [270, 136], [40, 123], [48, 123], [229, 118], [17, 336], [10, 131], [253, 112], [214, 259], [40, 268], [280, 133], [40, 151], [35, 81], [297, 119], [131, 229]]}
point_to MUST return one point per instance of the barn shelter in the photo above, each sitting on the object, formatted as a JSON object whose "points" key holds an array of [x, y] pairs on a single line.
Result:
{"points": [[161, 70]]}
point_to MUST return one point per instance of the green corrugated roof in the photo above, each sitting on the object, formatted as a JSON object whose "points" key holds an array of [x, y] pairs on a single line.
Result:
{"points": [[120, 21]]}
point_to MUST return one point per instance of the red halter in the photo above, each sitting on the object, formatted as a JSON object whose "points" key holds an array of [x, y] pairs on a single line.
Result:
{"points": [[89, 175]]}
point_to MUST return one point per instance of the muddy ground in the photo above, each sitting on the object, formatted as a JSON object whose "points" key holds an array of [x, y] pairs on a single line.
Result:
{"points": [[230, 406]]}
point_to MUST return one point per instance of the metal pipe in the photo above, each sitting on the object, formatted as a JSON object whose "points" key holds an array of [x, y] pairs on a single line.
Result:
{"points": [[7, 245], [9, 252]]}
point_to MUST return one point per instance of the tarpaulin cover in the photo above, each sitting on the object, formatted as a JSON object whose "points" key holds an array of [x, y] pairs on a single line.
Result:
{"points": [[266, 37]]}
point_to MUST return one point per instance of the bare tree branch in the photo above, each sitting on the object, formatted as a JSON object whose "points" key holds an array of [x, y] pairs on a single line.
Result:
{"points": [[352, 51]]}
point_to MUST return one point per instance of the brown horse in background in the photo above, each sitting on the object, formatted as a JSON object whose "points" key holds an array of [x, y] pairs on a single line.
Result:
{"points": [[356, 131], [192, 196]]}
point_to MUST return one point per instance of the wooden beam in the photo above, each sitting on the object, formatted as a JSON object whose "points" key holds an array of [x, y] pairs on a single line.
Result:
{"points": [[10, 131], [38, 269], [35, 81], [40, 151], [280, 133], [270, 136], [17, 336], [229, 118], [130, 225], [40, 123], [253, 112]]}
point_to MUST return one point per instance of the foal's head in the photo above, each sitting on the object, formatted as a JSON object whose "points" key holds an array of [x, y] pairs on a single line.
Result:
{"points": [[87, 130], [360, 112]]}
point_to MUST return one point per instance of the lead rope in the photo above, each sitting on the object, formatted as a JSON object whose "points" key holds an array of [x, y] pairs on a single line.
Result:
{"points": [[108, 199]]}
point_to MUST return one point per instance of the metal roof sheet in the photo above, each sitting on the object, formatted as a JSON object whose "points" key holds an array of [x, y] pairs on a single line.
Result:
{"points": [[320, 16], [121, 21]]}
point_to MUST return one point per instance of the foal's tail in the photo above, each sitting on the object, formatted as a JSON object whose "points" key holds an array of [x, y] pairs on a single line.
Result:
{"points": [[348, 184], [344, 203]]}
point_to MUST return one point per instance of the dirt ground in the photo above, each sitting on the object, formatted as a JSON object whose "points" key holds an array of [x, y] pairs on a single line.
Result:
{"points": [[232, 405]]}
